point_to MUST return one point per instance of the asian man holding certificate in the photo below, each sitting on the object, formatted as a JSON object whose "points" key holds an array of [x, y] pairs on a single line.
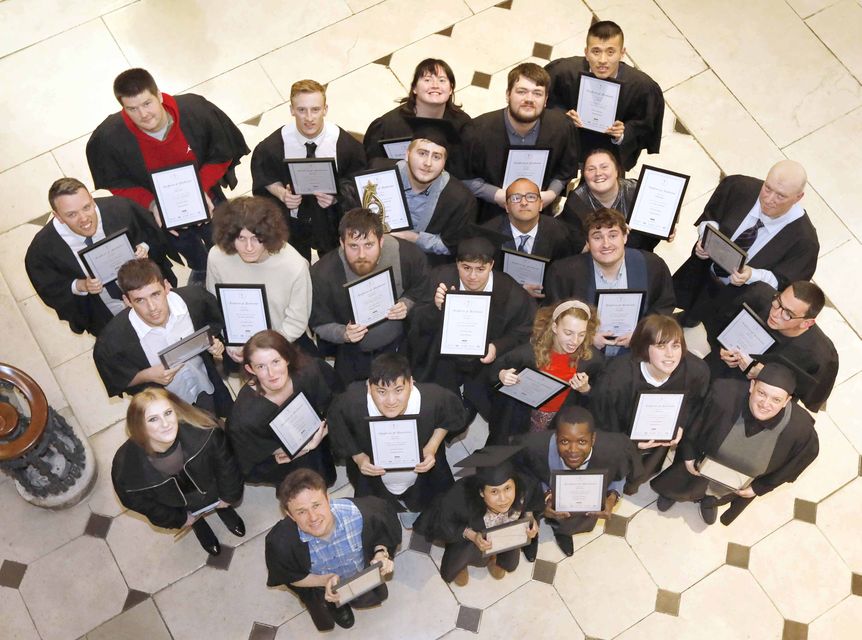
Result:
{"points": [[746, 429], [324, 541], [373, 422], [576, 445]]}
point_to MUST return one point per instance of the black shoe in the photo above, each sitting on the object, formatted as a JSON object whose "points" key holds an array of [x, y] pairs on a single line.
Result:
{"points": [[206, 537], [708, 510], [343, 616], [531, 549], [232, 521], [663, 504], [565, 544]]}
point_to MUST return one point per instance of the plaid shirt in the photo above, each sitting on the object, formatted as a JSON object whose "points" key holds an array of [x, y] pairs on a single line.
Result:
{"points": [[342, 553]]}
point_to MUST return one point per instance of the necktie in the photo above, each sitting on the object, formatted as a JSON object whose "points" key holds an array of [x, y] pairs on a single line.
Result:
{"points": [[112, 288], [310, 148], [744, 241], [522, 243]]}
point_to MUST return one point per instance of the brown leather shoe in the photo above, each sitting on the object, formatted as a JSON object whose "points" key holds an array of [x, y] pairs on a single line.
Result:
{"points": [[462, 578], [497, 572]]}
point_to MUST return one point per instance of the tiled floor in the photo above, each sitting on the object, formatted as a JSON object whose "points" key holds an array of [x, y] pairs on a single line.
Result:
{"points": [[746, 83]]}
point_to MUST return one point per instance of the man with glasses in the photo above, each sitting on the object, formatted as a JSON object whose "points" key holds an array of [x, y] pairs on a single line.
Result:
{"points": [[791, 314], [764, 219], [522, 228]]}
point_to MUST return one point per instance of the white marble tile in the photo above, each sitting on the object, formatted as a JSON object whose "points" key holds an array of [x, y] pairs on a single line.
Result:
{"points": [[67, 81], [103, 499], [87, 396], [833, 517], [476, 100], [676, 252], [842, 621], [259, 510], [707, 108], [605, 597], [795, 555], [141, 622], [13, 248], [806, 8], [834, 326], [16, 621], [548, 549], [836, 464], [769, 53], [57, 341], [353, 115], [361, 5], [72, 160], [548, 21], [655, 625], [480, 5], [25, 188], [832, 231], [843, 408], [763, 516], [357, 41], [838, 26], [242, 93], [833, 174], [156, 33], [515, 616], [186, 606], [52, 589], [832, 276], [652, 40]]}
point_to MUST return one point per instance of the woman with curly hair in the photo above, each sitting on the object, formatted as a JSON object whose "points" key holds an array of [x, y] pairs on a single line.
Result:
{"points": [[561, 345]]}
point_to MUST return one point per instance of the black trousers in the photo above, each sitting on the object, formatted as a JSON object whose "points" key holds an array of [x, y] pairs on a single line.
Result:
{"points": [[458, 555], [321, 610]]}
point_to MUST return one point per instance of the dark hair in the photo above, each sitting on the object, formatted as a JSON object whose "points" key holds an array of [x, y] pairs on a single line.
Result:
{"points": [[475, 250], [810, 294], [573, 414], [476, 485], [133, 82], [430, 65], [605, 218], [605, 30], [611, 154], [269, 339], [652, 330], [138, 273], [136, 418], [296, 482], [259, 215], [387, 368], [64, 187], [358, 223], [531, 71]]}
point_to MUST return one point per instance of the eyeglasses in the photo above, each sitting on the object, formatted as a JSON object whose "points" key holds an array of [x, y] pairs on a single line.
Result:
{"points": [[515, 198], [786, 313]]}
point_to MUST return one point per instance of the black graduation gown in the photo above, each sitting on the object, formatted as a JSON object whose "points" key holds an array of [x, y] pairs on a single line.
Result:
{"points": [[441, 409], [553, 239], [611, 451], [119, 356], [314, 227], [574, 277], [253, 440], [288, 559], [510, 418], [116, 161], [641, 108], [486, 142], [791, 255], [394, 124], [51, 266], [796, 448]]}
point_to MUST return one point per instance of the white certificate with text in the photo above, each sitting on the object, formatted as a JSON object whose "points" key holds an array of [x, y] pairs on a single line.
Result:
{"points": [[465, 324], [534, 388], [597, 102], [658, 200], [295, 424], [244, 310], [104, 258], [579, 491], [180, 196], [395, 442], [656, 416], [524, 268], [371, 297], [746, 333], [619, 310], [526, 162]]}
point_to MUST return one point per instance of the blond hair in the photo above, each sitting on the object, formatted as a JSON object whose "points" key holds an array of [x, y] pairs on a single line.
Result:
{"points": [[136, 415], [543, 334]]}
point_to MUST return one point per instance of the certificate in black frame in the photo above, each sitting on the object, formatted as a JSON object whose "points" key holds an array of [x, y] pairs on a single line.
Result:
{"points": [[349, 285], [402, 418], [526, 147], [499, 386], [291, 178], [167, 364], [528, 256], [656, 392], [278, 411], [227, 286], [393, 175], [203, 202], [601, 292], [487, 324], [605, 483], [709, 232], [107, 239], [673, 224]]}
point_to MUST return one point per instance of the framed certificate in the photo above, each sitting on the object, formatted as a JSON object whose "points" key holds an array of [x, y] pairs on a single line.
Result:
{"points": [[465, 323], [619, 310], [597, 102], [722, 250], [186, 349], [381, 191], [245, 311], [656, 416], [310, 175], [579, 491], [747, 333], [525, 268], [359, 583], [295, 424], [395, 442], [723, 475], [503, 537], [180, 196], [534, 388], [395, 148], [103, 259], [371, 297], [658, 200], [526, 162]]}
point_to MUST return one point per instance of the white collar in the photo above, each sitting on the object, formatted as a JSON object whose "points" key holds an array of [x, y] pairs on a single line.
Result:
{"points": [[176, 308]]}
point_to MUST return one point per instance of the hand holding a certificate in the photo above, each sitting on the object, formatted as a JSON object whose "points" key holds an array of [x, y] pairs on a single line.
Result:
{"points": [[508, 377], [610, 503], [366, 468], [549, 508], [652, 444], [615, 131], [478, 539], [397, 311], [89, 285], [580, 382], [216, 349], [734, 358], [354, 332], [603, 339]]}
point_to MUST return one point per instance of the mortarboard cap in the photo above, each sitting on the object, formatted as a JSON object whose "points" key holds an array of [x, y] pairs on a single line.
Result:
{"points": [[437, 130], [781, 372], [492, 464]]}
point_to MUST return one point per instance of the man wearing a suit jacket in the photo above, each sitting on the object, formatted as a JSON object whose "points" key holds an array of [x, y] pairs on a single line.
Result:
{"points": [[57, 272]]}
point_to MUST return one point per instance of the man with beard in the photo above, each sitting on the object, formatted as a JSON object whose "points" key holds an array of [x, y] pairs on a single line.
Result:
{"points": [[523, 123]]}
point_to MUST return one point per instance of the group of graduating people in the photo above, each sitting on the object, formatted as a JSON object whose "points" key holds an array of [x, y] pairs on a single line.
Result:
{"points": [[192, 445]]}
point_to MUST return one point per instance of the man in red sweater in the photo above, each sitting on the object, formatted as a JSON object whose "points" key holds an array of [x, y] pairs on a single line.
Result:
{"points": [[155, 130]]}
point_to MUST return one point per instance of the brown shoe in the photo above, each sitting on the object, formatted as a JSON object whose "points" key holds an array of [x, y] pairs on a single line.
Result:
{"points": [[462, 578], [497, 572]]}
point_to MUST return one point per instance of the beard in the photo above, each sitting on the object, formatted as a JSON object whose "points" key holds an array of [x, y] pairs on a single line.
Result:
{"points": [[517, 117]]}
